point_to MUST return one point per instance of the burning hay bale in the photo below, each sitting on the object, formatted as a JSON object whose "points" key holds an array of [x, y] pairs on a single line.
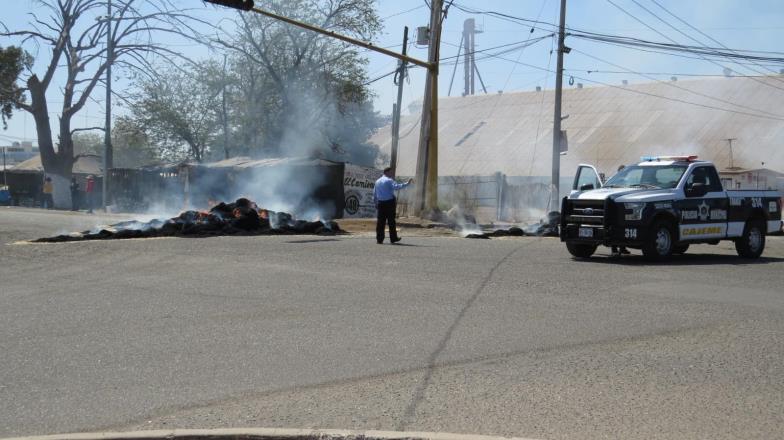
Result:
{"points": [[242, 217]]}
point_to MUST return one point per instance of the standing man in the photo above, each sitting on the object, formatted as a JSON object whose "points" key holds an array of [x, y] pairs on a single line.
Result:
{"points": [[384, 199], [48, 190], [74, 194], [89, 192]]}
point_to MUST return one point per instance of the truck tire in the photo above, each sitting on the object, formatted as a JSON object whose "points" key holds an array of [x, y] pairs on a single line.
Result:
{"points": [[580, 250], [752, 242], [680, 249], [660, 243]]}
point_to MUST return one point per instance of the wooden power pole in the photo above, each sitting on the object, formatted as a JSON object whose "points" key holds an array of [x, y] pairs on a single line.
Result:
{"points": [[556, 172], [426, 199]]}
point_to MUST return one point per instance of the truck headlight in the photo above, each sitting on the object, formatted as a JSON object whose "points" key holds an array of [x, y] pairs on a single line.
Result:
{"points": [[633, 210]]}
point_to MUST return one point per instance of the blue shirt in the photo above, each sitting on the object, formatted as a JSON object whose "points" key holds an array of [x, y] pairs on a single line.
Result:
{"points": [[385, 189]]}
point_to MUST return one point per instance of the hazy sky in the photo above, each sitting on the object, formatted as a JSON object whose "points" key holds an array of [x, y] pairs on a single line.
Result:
{"points": [[749, 24]]}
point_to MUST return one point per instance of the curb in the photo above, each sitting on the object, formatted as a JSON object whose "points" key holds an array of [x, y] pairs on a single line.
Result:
{"points": [[264, 434]]}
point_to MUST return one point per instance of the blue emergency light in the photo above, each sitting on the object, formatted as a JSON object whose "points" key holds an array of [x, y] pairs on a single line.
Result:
{"points": [[672, 158]]}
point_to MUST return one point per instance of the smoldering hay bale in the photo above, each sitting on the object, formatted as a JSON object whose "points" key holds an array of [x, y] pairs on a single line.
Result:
{"points": [[242, 217]]}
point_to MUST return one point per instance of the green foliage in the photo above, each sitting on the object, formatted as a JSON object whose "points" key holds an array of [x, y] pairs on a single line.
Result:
{"points": [[299, 93], [130, 144], [177, 111], [12, 61]]}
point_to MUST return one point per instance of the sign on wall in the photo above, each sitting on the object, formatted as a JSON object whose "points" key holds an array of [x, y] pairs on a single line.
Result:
{"points": [[358, 183]]}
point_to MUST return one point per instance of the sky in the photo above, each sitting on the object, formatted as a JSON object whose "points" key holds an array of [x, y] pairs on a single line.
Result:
{"points": [[737, 24]]}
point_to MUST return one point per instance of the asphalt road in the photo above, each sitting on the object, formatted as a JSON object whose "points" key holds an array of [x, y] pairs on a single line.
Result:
{"points": [[505, 336]]}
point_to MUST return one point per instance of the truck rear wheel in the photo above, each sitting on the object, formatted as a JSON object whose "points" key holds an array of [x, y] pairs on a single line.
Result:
{"points": [[660, 242], [581, 250], [752, 242]]}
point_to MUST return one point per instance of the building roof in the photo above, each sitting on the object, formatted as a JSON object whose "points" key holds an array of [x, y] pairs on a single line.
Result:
{"points": [[85, 164], [606, 126]]}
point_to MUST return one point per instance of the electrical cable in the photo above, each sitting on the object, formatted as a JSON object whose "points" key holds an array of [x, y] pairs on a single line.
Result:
{"points": [[676, 86], [670, 39]]}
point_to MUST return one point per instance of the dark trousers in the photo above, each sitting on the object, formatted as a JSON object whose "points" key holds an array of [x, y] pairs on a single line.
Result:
{"points": [[48, 201], [386, 215]]}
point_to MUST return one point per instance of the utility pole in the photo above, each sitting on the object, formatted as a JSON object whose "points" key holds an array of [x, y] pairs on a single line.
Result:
{"points": [[556, 174], [225, 114], [107, 148], [732, 162], [5, 178], [427, 158], [401, 76]]}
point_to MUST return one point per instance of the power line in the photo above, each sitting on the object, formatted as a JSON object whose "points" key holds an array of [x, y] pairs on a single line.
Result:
{"points": [[696, 29], [670, 39], [404, 12], [676, 86], [632, 90]]}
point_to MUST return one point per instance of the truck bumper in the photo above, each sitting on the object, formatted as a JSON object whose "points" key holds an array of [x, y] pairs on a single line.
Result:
{"points": [[600, 235]]}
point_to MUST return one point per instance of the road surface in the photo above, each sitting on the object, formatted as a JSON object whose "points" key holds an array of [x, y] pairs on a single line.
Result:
{"points": [[504, 336]]}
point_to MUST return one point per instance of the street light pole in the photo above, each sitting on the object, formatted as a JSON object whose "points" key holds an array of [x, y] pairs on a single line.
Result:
{"points": [[107, 148], [556, 172]]}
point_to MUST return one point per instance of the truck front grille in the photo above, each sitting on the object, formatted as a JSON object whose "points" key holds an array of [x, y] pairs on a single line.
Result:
{"points": [[590, 212]]}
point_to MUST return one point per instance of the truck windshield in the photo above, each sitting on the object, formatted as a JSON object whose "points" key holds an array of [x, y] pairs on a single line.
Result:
{"points": [[635, 176]]}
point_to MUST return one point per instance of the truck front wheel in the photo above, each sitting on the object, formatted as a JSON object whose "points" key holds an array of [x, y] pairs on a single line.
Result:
{"points": [[581, 250], [660, 242], [752, 242]]}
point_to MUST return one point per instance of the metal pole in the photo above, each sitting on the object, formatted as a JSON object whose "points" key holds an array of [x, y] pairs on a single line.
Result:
{"points": [[365, 44], [467, 27], [732, 162], [225, 113], [107, 148], [457, 61], [398, 106], [5, 178], [556, 172], [476, 69]]}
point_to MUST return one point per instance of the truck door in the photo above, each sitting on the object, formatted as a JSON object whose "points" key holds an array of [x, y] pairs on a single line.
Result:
{"points": [[704, 208], [586, 178]]}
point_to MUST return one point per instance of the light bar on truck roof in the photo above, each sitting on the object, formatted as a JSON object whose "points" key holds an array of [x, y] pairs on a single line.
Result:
{"points": [[672, 158]]}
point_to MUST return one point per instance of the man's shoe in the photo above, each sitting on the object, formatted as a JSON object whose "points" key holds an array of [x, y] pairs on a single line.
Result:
{"points": [[395, 240], [379, 242]]}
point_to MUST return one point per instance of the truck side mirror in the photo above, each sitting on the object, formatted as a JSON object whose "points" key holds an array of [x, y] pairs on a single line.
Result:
{"points": [[696, 190], [586, 187]]}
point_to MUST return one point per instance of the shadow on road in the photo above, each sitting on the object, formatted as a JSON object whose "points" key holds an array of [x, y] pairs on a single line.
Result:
{"points": [[681, 260], [312, 240]]}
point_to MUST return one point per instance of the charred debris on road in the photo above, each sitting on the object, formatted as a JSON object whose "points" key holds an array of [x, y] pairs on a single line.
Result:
{"points": [[468, 227], [242, 217]]}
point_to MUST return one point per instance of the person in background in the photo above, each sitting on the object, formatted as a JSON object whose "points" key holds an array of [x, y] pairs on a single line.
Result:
{"points": [[74, 194], [89, 193], [618, 251], [48, 190], [384, 199]]}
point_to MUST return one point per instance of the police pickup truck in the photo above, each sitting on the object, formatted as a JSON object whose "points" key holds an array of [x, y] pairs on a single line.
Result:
{"points": [[661, 206]]}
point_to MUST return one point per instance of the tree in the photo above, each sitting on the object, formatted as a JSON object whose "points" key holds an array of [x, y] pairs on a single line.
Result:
{"points": [[178, 111], [131, 146], [75, 31], [300, 92], [12, 61]]}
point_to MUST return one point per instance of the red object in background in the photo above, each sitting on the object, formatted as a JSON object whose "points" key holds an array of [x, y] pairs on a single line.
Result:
{"points": [[90, 185]]}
